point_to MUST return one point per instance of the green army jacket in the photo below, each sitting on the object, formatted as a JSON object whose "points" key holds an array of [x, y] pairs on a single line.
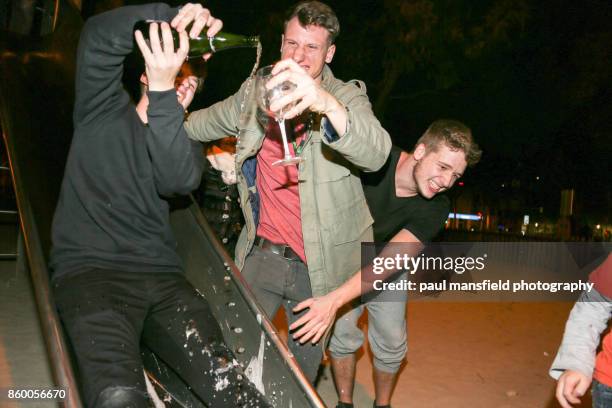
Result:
{"points": [[335, 216]]}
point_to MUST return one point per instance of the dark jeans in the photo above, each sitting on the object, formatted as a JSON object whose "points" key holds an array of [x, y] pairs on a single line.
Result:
{"points": [[277, 281], [602, 395], [107, 313]]}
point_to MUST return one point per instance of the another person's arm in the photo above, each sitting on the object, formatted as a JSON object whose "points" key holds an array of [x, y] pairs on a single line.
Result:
{"points": [[420, 228], [219, 120], [575, 361], [322, 314]]}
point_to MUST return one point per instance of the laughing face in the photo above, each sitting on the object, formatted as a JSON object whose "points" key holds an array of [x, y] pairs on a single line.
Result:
{"points": [[308, 46], [437, 171]]}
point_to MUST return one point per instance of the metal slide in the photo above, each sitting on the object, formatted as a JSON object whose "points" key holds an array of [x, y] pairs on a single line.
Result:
{"points": [[37, 54]]}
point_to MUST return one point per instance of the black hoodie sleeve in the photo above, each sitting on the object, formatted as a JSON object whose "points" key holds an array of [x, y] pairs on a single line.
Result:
{"points": [[105, 41], [177, 161]]}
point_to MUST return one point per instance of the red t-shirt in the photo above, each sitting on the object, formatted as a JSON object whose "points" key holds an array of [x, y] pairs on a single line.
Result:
{"points": [[602, 278], [280, 218]]}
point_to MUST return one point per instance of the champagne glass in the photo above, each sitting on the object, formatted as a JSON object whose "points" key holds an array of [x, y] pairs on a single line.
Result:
{"points": [[265, 97]]}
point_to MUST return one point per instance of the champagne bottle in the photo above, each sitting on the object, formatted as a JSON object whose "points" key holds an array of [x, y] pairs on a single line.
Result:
{"points": [[203, 45]]}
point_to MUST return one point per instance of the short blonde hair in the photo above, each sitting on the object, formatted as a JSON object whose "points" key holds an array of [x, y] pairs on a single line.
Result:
{"points": [[453, 134]]}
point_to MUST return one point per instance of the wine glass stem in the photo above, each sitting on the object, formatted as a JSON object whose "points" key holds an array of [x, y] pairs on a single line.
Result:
{"points": [[281, 124]]}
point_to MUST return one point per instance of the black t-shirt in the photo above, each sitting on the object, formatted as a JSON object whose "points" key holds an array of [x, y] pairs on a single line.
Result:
{"points": [[423, 218]]}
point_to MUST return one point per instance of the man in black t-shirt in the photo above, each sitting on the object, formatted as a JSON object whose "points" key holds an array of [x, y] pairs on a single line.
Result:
{"points": [[394, 207], [405, 202]]}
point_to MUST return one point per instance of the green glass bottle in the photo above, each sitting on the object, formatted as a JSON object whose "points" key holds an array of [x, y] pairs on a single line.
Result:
{"points": [[204, 45]]}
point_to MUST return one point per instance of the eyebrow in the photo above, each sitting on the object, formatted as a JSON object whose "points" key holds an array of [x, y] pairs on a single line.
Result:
{"points": [[449, 166], [310, 44]]}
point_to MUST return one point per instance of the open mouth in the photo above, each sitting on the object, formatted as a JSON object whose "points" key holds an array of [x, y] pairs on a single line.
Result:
{"points": [[434, 187]]}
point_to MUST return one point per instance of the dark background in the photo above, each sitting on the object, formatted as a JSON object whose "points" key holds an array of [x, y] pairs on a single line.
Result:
{"points": [[532, 78]]}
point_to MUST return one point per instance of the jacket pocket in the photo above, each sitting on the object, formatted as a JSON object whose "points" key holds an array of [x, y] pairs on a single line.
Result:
{"points": [[351, 223], [330, 165], [331, 172], [342, 242]]}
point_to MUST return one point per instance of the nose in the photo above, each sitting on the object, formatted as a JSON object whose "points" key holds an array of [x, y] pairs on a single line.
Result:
{"points": [[298, 55], [447, 180]]}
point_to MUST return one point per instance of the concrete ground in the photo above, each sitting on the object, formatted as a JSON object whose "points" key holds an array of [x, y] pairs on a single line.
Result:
{"points": [[471, 355], [461, 355], [22, 350]]}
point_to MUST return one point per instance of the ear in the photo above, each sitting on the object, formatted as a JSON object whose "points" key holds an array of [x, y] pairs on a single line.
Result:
{"points": [[419, 152], [282, 42], [329, 56], [143, 79]]}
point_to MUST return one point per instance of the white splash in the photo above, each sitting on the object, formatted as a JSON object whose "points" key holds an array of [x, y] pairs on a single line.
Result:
{"points": [[226, 368], [221, 384], [191, 330], [157, 402], [254, 370]]}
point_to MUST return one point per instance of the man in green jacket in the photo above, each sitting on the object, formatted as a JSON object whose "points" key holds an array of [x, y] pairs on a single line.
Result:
{"points": [[304, 223]]}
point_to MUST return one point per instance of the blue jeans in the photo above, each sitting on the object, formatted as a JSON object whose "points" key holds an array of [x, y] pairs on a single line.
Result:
{"points": [[602, 395]]}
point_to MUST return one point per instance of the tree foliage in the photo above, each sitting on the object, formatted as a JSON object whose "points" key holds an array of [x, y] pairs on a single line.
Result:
{"points": [[442, 38]]}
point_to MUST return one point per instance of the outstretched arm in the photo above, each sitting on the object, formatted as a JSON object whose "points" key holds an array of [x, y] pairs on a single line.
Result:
{"points": [[422, 227], [322, 314]]}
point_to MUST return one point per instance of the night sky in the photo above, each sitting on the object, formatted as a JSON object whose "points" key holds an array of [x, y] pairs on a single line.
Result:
{"points": [[531, 78]]}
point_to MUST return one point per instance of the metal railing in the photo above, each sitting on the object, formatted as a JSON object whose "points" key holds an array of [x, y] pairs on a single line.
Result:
{"points": [[21, 57], [15, 254]]}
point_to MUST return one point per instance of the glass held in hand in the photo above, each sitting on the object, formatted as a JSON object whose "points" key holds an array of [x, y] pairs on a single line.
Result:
{"points": [[203, 45], [265, 97]]}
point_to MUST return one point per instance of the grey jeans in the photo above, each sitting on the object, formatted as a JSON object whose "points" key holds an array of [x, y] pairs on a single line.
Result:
{"points": [[386, 331], [277, 281]]}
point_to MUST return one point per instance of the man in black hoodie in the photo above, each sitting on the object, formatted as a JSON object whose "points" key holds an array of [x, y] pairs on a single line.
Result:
{"points": [[116, 276]]}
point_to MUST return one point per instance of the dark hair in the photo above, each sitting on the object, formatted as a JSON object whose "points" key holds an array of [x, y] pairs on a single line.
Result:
{"points": [[315, 13], [455, 135], [133, 66]]}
